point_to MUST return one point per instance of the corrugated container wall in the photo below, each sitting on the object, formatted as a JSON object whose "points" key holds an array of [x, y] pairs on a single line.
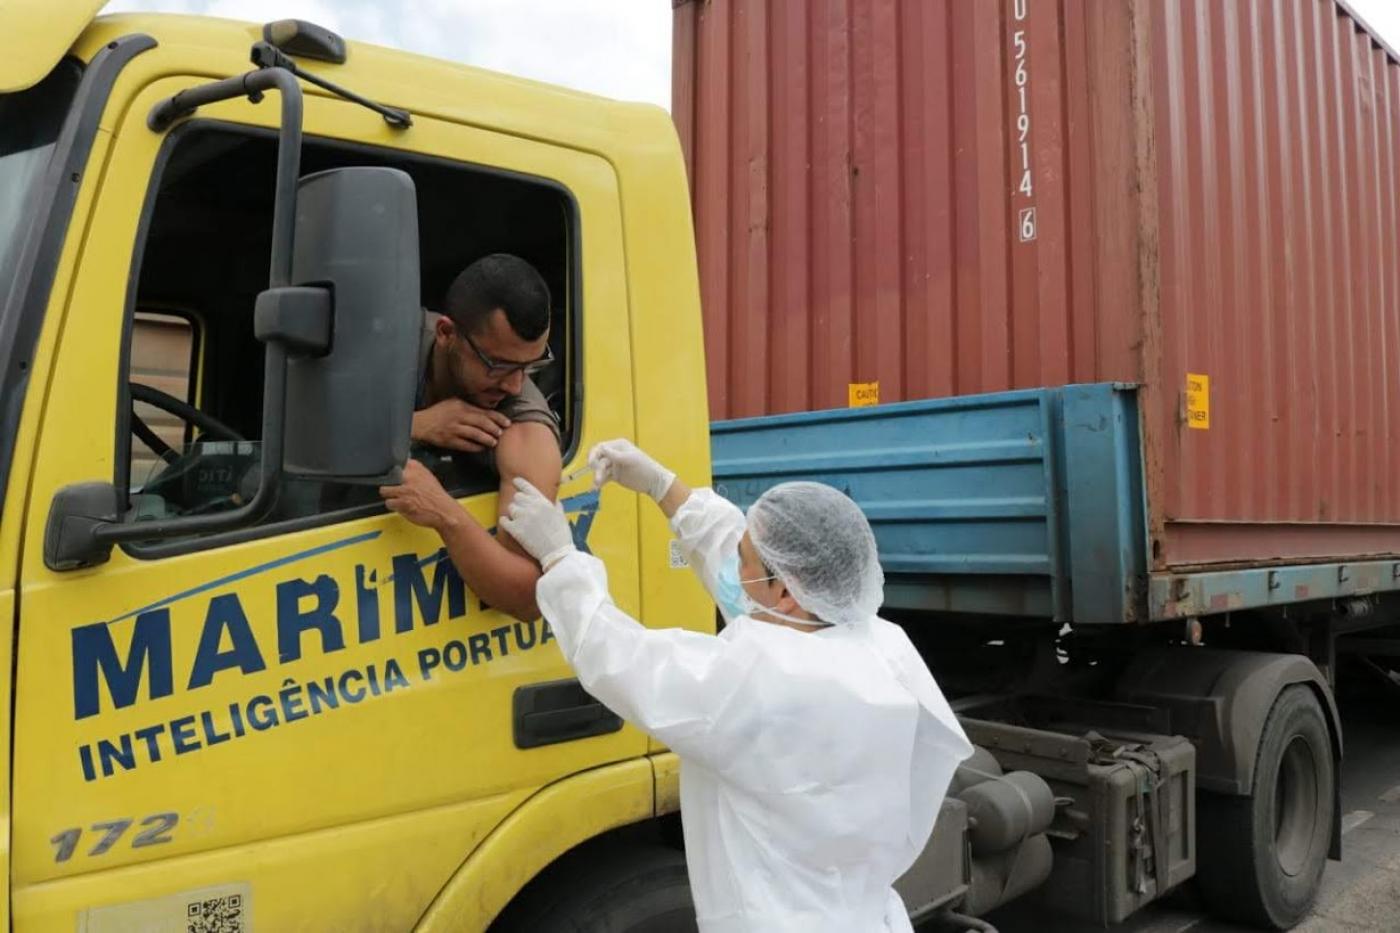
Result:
{"points": [[958, 196]]}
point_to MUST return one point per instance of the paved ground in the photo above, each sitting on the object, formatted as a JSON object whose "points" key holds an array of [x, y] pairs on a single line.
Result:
{"points": [[1360, 893]]}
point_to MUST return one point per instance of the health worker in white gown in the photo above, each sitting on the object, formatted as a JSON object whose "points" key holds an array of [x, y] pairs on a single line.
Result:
{"points": [[815, 746]]}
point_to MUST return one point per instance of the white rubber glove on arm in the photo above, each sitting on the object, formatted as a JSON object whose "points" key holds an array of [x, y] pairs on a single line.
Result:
{"points": [[624, 463], [538, 525]]}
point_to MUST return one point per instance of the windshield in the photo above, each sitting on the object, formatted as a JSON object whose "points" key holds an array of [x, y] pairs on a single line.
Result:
{"points": [[29, 125]]}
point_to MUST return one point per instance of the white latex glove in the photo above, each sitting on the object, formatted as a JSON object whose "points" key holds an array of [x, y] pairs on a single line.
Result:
{"points": [[539, 525], [624, 463]]}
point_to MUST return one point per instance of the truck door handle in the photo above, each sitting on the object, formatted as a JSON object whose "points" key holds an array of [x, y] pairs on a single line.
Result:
{"points": [[558, 711]]}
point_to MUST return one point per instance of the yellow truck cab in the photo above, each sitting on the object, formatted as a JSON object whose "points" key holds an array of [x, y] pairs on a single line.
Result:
{"points": [[240, 695]]}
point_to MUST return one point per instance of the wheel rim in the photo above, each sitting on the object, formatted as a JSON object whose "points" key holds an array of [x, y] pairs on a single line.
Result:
{"points": [[1295, 806]]}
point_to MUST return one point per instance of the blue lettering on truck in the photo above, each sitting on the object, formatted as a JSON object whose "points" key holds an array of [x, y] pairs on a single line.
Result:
{"points": [[311, 617]]}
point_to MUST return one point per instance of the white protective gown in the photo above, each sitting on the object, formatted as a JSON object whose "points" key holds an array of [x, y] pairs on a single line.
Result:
{"points": [[813, 765]]}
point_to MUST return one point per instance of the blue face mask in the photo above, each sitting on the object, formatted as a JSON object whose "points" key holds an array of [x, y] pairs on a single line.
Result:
{"points": [[729, 591], [734, 602]]}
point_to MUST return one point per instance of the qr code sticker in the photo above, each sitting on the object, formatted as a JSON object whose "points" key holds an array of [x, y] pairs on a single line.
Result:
{"points": [[215, 915], [677, 556]]}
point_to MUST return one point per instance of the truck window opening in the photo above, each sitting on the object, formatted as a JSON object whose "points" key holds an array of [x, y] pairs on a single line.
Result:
{"points": [[206, 249]]}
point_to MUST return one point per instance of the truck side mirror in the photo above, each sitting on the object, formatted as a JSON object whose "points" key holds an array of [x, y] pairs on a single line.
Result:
{"points": [[350, 391]]}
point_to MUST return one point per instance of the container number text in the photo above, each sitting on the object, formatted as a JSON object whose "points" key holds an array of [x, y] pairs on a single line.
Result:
{"points": [[1020, 58]]}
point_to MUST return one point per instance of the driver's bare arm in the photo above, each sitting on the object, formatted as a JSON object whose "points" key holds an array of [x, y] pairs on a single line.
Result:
{"points": [[497, 569]]}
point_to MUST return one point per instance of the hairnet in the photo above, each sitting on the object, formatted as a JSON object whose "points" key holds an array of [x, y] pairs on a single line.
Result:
{"points": [[819, 543]]}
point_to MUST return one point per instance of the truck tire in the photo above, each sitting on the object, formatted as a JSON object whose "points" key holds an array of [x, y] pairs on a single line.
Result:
{"points": [[1260, 858], [623, 889]]}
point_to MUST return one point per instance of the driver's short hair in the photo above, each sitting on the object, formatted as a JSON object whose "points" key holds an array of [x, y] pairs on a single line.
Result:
{"points": [[499, 281]]}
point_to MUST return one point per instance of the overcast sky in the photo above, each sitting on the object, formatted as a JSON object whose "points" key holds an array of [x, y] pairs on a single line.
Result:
{"points": [[1383, 16], [618, 48]]}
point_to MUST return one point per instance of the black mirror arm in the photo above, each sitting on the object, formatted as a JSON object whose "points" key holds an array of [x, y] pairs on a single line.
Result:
{"points": [[252, 84], [274, 419]]}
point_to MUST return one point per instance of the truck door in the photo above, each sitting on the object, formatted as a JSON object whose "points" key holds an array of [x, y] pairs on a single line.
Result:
{"points": [[310, 723]]}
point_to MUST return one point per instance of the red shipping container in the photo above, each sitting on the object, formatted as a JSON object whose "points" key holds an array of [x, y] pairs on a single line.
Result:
{"points": [[948, 197]]}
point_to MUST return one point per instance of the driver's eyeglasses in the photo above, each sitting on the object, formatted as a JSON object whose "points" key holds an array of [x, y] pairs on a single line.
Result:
{"points": [[497, 369]]}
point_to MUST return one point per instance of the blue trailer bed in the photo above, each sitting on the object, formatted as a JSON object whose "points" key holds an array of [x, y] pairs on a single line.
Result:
{"points": [[1026, 504]]}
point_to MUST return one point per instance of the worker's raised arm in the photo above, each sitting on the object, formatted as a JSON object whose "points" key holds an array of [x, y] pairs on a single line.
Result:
{"points": [[707, 526]]}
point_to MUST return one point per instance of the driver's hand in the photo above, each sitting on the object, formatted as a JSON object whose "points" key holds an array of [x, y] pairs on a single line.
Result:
{"points": [[421, 499], [454, 424]]}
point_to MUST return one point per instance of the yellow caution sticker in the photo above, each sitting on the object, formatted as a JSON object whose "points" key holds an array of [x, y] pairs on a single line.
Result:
{"points": [[1198, 401], [864, 394]]}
